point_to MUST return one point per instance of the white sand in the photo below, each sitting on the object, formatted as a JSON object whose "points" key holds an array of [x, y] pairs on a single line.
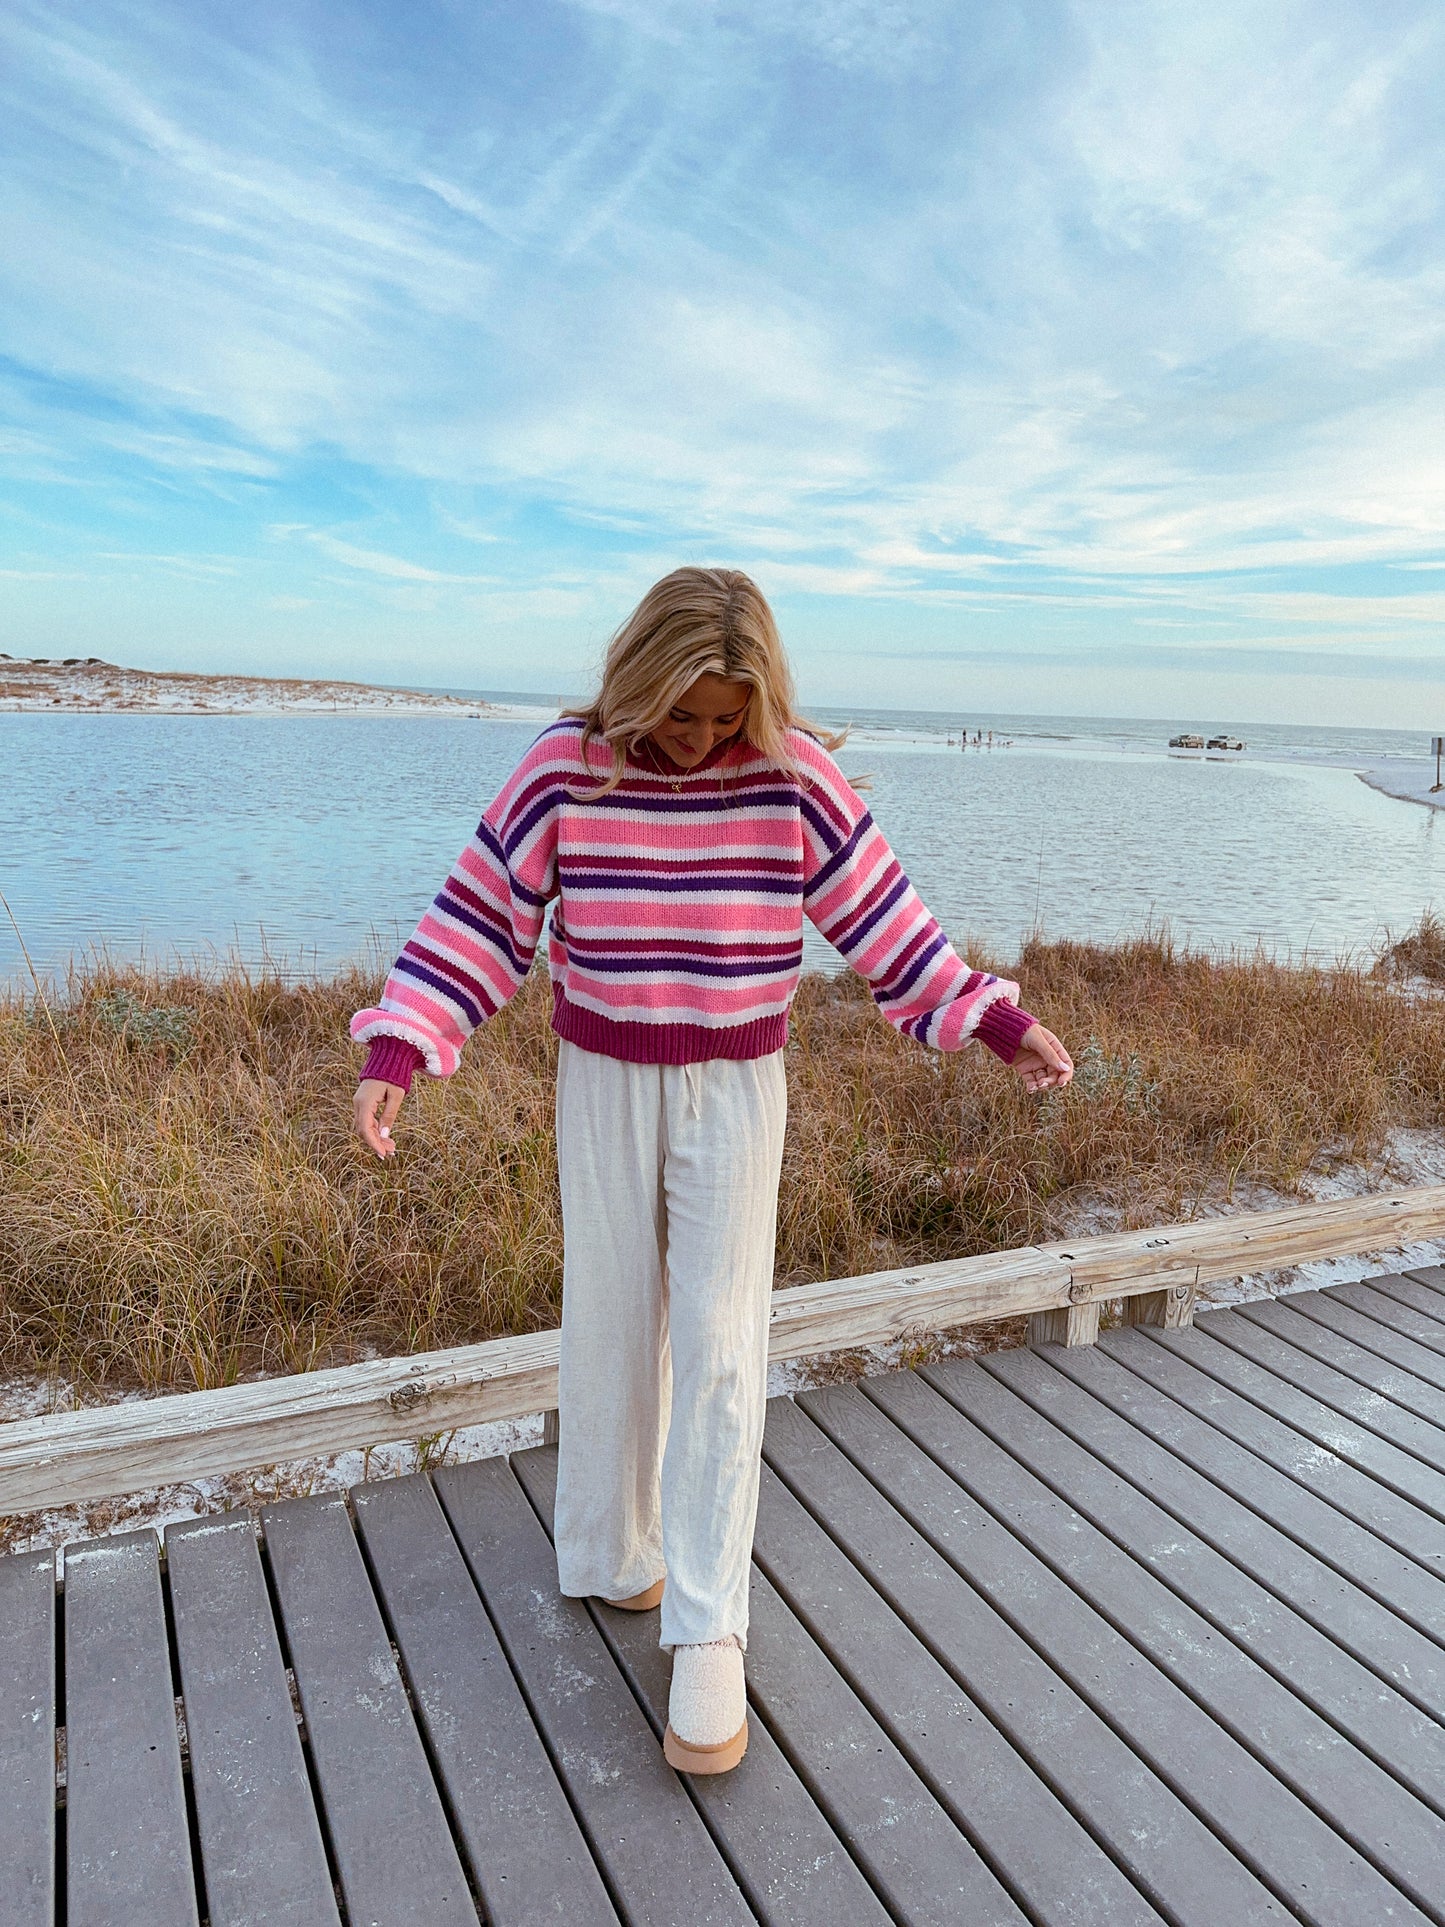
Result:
{"points": [[47, 687], [1411, 782]]}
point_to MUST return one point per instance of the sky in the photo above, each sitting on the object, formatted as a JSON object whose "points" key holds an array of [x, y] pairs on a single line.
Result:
{"points": [[1065, 356]]}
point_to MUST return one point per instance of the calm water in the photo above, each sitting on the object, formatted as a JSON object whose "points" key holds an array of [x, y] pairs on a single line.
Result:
{"points": [[305, 838]]}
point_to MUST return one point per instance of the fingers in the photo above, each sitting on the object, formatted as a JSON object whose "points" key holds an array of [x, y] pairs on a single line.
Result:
{"points": [[1042, 1062], [1057, 1056], [373, 1109], [363, 1113]]}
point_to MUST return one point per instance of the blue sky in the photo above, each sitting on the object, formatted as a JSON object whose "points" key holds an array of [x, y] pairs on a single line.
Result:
{"points": [[1060, 355]]}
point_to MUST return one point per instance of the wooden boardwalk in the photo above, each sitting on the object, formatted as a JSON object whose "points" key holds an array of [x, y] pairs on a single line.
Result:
{"points": [[1148, 1630]]}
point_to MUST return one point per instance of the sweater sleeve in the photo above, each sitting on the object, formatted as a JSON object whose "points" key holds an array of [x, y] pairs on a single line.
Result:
{"points": [[856, 893], [473, 948]]}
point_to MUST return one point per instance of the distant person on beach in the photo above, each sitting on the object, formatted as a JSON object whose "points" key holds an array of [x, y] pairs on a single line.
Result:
{"points": [[671, 837]]}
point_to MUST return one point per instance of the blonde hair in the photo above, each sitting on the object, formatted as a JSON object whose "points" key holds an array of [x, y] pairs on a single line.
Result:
{"points": [[694, 622]]}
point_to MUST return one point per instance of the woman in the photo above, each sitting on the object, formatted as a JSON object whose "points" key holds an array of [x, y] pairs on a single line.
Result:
{"points": [[680, 827]]}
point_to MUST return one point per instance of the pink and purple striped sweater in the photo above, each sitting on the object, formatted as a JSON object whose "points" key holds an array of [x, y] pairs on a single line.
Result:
{"points": [[676, 924]]}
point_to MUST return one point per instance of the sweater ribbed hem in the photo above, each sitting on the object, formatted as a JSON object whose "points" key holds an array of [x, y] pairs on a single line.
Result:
{"points": [[665, 1043]]}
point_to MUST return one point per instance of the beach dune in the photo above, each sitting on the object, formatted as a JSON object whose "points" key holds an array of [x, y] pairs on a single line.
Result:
{"points": [[89, 683]]}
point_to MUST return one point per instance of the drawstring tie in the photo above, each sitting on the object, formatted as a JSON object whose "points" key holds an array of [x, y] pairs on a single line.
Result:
{"points": [[692, 1079]]}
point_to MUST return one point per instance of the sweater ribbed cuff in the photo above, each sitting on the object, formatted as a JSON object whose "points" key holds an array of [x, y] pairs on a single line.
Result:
{"points": [[394, 1061], [1003, 1027]]}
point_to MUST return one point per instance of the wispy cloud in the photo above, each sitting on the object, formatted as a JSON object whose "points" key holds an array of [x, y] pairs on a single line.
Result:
{"points": [[375, 562], [942, 308]]}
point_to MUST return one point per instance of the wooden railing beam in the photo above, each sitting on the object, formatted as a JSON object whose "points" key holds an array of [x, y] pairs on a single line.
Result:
{"points": [[102, 1451]]}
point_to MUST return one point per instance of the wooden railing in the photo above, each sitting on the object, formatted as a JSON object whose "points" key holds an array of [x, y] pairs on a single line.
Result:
{"points": [[103, 1451]]}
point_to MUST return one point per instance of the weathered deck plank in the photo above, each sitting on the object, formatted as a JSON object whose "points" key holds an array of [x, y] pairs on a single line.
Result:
{"points": [[1395, 1314], [1266, 1487], [1336, 1382], [528, 1858], [1171, 1855], [1270, 1437], [642, 1827], [1392, 1348], [1048, 1859], [128, 1846], [1325, 1726], [1089, 1638], [1304, 1665], [1351, 1617], [1335, 1414], [927, 1872], [261, 1848], [1424, 1289], [1263, 1825], [1359, 1363], [394, 1851], [27, 1739], [790, 1864]]}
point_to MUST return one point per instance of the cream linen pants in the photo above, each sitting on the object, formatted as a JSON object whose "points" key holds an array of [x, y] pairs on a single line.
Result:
{"points": [[669, 1210]]}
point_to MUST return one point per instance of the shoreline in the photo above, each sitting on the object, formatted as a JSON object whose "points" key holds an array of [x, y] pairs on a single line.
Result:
{"points": [[460, 712], [1411, 783], [92, 687]]}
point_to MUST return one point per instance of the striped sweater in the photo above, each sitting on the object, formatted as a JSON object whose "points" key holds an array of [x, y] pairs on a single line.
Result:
{"points": [[675, 930]]}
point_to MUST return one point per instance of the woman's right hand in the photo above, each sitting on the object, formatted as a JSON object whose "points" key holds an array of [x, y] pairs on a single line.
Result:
{"points": [[374, 1110]]}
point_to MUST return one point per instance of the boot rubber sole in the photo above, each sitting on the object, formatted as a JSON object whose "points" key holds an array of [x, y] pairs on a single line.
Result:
{"points": [[641, 1602], [682, 1757]]}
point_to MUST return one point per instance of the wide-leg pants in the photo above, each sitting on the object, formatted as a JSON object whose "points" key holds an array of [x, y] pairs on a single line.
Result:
{"points": [[669, 1178]]}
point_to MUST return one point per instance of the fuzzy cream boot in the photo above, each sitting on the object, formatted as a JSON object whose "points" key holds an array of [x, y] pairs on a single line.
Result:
{"points": [[707, 1709]]}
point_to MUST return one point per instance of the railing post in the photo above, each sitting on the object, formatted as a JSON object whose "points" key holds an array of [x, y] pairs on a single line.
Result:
{"points": [[1171, 1310], [1076, 1323]]}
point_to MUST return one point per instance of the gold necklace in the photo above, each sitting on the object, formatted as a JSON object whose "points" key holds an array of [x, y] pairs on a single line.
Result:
{"points": [[677, 781], [666, 774]]}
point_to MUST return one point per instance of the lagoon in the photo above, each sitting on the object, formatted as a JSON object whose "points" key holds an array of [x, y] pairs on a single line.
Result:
{"points": [[306, 840]]}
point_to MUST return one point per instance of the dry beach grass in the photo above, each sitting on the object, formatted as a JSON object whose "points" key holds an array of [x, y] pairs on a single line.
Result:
{"points": [[1420, 954], [181, 1203]]}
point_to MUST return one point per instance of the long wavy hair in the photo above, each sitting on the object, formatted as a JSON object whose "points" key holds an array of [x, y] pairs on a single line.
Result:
{"points": [[694, 622]]}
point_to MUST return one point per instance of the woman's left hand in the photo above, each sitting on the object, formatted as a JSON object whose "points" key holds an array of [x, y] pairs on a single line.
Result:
{"points": [[1042, 1062]]}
